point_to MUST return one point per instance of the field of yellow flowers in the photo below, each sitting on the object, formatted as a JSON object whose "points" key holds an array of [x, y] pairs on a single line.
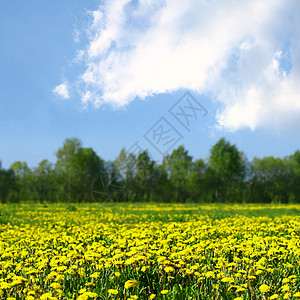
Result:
{"points": [[149, 251]]}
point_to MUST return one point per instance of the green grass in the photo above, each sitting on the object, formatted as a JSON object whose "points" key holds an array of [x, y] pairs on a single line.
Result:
{"points": [[164, 212]]}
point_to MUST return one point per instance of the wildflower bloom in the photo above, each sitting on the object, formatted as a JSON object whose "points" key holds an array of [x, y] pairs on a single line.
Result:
{"points": [[264, 288], [130, 283], [89, 246], [113, 292], [285, 288]]}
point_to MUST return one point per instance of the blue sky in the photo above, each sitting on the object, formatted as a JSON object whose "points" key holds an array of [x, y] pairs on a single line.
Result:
{"points": [[106, 72]]}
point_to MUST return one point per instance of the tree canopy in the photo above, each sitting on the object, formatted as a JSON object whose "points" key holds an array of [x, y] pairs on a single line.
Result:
{"points": [[80, 175]]}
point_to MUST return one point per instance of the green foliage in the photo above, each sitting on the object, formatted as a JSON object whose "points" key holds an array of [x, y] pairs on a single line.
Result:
{"points": [[227, 171], [80, 175], [179, 166], [8, 185]]}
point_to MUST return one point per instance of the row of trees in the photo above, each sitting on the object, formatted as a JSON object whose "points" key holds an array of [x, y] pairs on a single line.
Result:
{"points": [[80, 175]]}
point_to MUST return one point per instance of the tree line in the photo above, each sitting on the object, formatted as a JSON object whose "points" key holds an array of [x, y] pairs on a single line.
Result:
{"points": [[80, 175]]}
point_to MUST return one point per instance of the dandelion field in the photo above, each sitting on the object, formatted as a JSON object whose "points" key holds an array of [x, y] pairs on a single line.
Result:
{"points": [[149, 251]]}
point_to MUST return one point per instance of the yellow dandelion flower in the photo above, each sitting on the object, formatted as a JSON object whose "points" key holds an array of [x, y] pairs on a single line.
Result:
{"points": [[81, 291], [90, 284], [169, 269], [55, 285], [264, 288], [95, 275], [130, 283], [46, 296], [285, 288], [113, 292]]}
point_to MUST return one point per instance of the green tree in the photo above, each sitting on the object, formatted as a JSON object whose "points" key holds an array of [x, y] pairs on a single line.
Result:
{"points": [[45, 181], [178, 166], [8, 185], [126, 164], [88, 166], [24, 180], [78, 168], [145, 177], [196, 181], [293, 162], [275, 179], [228, 170], [65, 166]]}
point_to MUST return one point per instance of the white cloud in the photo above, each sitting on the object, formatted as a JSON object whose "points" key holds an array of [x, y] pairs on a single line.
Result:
{"points": [[62, 90], [245, 54], [76, 36]]}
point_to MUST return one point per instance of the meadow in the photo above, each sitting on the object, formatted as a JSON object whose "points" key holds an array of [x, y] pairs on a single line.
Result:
{"points": [[149, 251]]}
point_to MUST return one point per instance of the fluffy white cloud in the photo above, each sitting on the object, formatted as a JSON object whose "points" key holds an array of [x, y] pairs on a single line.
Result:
{"points": [[62, 90], [245, 54]]}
